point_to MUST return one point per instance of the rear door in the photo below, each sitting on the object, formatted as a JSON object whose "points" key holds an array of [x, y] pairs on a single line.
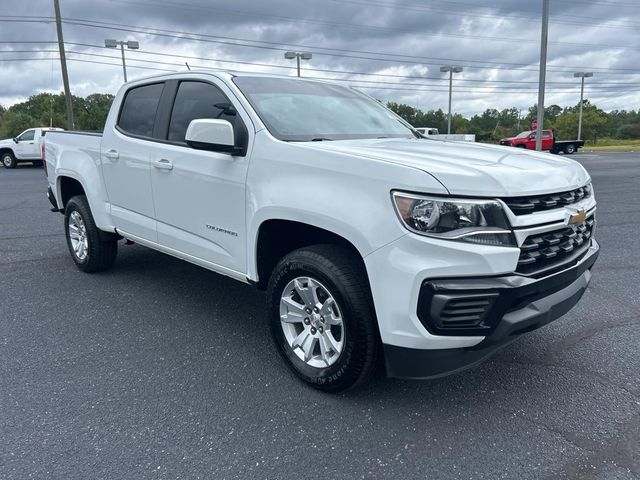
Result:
{"points": [[547, 140], [125, 156], [27, 147], [200, 195]]}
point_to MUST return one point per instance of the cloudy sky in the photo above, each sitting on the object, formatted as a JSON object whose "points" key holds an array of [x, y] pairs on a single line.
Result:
{"points": [[392, 49]]}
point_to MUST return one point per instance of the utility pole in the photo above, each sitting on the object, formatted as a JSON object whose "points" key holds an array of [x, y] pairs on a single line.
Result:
{"points": [[451, 69], [65, 75], [582, 76], [543, 72]]}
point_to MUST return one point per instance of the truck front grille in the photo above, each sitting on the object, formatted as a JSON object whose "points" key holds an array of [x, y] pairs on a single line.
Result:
{"points": [[541, 254], [536, 203]]}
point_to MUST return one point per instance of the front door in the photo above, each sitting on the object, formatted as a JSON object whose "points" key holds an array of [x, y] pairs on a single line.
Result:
{"points": [[27, 148], [200, 195]]}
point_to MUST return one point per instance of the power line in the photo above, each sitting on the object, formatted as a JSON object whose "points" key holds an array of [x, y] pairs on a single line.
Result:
{"points": [[378, 85], [334, 71], [261, 44], [407, 59]]}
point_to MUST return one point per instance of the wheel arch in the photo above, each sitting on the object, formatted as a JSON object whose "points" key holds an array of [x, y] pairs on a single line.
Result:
{"points": [[5, 150], [276, 237], [68, 187]]}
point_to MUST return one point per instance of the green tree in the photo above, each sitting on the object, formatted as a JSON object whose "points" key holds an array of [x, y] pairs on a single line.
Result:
{"points": [[593, 119], [14, 122], [407, 112], [94, 111]]}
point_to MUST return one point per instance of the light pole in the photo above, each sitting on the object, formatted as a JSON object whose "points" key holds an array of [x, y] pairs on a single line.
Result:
{"points": [[581, 76], [131, 44], [451, 69], [298, 56]]}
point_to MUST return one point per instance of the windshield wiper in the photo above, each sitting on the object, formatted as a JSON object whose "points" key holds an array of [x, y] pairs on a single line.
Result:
{"points": [[321, 139]]}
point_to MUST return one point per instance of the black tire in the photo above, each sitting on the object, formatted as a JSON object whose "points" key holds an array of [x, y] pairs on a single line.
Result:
{"points": [[570, 149], [9, 160], [102, 247], [521, 146], [345, 277]]}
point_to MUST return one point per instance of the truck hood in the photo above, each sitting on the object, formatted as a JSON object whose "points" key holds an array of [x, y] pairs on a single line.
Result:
{"points": [[7, 142], [466, 168]]}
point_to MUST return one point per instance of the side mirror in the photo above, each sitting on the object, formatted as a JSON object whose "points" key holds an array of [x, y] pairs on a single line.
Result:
{"points": [[15, 139], [211, 134]]}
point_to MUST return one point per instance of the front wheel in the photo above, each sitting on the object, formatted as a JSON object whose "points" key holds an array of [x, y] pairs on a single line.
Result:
{"points": [[322, 317], [91, 249], [9, 160]]}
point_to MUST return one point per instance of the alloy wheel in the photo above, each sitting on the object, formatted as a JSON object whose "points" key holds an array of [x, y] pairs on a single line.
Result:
{"points": [[312, 322]]}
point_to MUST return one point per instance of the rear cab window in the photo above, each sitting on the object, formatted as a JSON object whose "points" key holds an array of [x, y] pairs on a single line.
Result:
{"points": [[139, 108]]}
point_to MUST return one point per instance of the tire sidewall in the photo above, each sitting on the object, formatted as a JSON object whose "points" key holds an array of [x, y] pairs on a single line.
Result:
{"points": [[569, 149], [71, 207], [342, 371]]}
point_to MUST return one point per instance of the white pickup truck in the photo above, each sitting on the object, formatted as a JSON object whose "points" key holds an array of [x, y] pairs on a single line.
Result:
{"points": [[374, 244], [26, 147]]}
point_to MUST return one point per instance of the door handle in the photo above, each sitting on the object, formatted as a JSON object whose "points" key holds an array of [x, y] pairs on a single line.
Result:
{"points": [[112, 154], [30, 143], [163, 164]]}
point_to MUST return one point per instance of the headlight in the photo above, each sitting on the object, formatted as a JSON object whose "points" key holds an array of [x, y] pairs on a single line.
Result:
{"points": [[475, 221]]}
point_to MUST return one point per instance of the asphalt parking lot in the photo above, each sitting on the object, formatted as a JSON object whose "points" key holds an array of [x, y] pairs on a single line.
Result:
{"points": [[160, 369]]}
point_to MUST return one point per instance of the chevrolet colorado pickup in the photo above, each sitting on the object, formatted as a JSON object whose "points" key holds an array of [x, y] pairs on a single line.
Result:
{"points": [[373, 243], [549, 142], [26, 147]]}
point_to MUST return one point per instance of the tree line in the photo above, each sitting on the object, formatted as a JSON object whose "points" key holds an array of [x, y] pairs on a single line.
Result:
{"points": [[48, 109], [493, 124]]}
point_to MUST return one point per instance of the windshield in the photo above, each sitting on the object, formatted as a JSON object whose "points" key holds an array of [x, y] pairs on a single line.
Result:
{"points": [[523, 135], [303, 111]]}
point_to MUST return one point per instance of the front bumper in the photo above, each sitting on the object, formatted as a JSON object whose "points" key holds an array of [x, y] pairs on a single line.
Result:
{"points": [[516, 305]]}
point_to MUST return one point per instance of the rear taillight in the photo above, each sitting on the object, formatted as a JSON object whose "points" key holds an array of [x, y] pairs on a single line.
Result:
{"points": [[44, 161]]}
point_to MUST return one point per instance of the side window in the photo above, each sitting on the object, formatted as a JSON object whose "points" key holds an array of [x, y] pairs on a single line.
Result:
{"points": [[546, 134], [27, 136], [199, 100], [138, 113]]}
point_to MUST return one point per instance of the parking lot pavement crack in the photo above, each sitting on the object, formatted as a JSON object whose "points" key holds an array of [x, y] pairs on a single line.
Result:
{"points": [[589, 332], [623, 451], [576, 369], [569, 437], [610, 296]]}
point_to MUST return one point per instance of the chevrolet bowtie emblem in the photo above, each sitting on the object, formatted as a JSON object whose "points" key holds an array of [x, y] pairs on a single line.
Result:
{"points": [[578, 217]]}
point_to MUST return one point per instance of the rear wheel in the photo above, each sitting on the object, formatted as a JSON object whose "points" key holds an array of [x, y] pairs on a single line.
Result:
{"points": [[8, 160], [91, 249], [322, 317], [569, 149]]}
